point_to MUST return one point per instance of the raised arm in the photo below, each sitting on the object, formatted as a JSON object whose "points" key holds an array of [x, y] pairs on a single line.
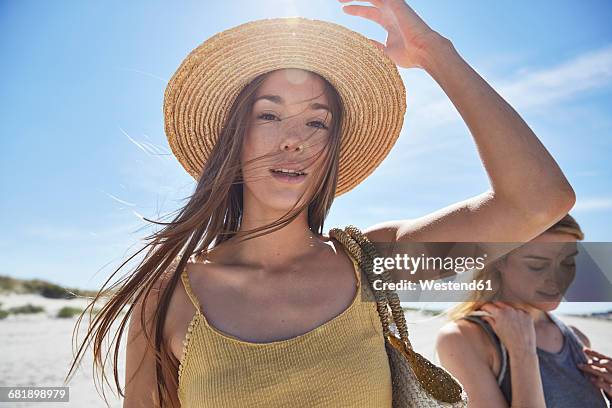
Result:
{"points": [[528, 190]]}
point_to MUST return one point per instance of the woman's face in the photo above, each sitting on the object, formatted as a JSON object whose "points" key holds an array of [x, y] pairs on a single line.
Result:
{"points": [[290, 125], [539, 272]]}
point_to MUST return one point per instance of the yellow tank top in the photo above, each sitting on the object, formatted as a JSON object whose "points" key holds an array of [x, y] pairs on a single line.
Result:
{"points": [[341, 363]]}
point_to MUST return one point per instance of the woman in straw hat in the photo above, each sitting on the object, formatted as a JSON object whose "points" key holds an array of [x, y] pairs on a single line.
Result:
{"points": [[508, 349], [241, 300]]}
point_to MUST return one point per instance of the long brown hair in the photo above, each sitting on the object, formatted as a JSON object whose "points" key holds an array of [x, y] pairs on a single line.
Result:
{"points": [[477, 298], [213, 213]]}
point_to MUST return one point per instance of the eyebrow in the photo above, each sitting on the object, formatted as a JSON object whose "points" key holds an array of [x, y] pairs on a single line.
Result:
{"points": [[278, 100], [546, 259]]}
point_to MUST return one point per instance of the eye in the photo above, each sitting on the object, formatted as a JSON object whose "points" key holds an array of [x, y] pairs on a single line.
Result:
{"points": [[267, 116], [536, 267], [322, 125]]}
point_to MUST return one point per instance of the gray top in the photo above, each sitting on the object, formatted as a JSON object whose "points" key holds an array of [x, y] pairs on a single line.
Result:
{"points": [[565, 386]]}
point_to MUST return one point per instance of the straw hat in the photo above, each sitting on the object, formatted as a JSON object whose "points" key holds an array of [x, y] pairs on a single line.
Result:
{"points": [[199, 94]]}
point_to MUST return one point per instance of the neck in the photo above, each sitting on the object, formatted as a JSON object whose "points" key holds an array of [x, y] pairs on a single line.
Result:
{"points": [[276, 248], [539, 316]]}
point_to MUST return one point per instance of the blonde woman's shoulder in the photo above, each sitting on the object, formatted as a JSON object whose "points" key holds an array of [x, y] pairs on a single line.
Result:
{"points": [[466, 342], [466, 352]]}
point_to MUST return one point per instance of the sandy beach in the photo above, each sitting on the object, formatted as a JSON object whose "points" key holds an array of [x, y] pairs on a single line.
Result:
{"points": [[37, 349]]}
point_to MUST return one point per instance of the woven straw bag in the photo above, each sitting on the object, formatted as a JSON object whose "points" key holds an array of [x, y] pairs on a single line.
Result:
{"points": [[416, 382]]}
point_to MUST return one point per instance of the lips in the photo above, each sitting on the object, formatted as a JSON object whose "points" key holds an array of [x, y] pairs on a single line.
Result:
{"points": [[288, 168], [288, 171], [286, 178], [551, 295]]}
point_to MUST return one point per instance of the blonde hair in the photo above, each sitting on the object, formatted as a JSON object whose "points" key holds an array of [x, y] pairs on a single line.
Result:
{"points": [[566, 225]]}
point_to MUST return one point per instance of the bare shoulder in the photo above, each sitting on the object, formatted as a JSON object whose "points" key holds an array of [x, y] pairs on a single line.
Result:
{"points": [[465, 341], [461, 334], [148, 303], [144, 314], [463, 351], [583, 337], [383, 231]]}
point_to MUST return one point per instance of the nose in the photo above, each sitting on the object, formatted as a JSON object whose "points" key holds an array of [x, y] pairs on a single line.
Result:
{"points": [[292, 144], [286, 147]]}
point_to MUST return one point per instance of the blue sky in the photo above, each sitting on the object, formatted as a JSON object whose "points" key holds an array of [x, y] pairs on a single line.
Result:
{"points": [[84, 153]]}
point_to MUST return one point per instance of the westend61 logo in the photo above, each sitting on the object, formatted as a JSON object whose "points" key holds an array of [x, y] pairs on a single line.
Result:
{"points": [[431, 263], [413, 264]]}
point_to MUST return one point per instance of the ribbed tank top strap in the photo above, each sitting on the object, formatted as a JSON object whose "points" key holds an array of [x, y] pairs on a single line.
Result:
{"points": [[189, 291]]}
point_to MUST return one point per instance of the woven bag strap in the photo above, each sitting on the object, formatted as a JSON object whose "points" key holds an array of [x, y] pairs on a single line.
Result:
{"points": [[364, 251], [364, 261]]}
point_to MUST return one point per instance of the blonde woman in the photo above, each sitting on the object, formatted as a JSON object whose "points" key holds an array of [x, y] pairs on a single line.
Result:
{"points": [[241, 299], [505, 346]]}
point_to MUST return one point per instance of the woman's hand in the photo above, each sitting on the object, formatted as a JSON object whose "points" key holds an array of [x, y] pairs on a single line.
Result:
{"points": [[599, 370], [408, 36], [513, 326]]}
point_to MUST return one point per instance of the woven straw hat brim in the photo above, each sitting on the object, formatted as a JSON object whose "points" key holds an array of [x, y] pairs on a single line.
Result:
{"points": [[199, 94]]}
